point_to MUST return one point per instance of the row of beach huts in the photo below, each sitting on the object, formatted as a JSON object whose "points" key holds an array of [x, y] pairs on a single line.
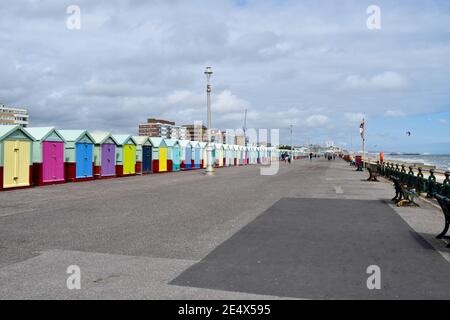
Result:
{"points": [[45, 155]]}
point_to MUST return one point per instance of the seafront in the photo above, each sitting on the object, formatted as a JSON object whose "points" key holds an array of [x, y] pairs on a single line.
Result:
{"points": [[309, 232]]}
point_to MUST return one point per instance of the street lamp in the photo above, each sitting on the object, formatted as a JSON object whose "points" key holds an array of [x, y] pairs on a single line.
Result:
{"points": [[209, 167]]}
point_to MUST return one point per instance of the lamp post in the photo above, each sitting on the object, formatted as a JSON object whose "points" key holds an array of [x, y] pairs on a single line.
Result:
{"points": [[209, 167], [292, 146]]}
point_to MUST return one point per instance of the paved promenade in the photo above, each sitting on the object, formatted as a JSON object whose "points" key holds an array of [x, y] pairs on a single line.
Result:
{"points": [[309, 232]]}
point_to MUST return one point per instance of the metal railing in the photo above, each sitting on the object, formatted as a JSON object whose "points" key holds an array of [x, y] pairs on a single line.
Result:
{"points": [[414, 180]]}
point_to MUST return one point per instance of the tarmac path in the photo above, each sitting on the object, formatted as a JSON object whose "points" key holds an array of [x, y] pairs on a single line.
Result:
{"points": [[309, 232]]}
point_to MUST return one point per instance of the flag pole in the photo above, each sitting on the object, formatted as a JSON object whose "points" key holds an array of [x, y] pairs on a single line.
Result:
{"points": [[364, 140]]}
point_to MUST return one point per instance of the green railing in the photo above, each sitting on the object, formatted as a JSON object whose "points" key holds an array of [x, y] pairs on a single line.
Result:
{"points": [[416, 180]]}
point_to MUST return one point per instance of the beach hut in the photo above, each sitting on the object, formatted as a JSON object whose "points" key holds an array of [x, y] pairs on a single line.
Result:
{"points": [[15, 157], [228, 153], [218, 155], [255, 155], [173, 155], [204, 154], [104, 155], [251, 155], [79, 155], [125, 155], [196, 155], [244, 155], [226, 150], [159, 155], [185, 154], [47, 156], [235, 155], [144, 154]]}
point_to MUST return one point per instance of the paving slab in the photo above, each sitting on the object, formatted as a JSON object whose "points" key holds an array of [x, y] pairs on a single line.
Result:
{"points": [[321, 249]]}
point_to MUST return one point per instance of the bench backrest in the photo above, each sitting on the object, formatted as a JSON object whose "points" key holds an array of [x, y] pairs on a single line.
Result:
{"points": [[444, 202]]}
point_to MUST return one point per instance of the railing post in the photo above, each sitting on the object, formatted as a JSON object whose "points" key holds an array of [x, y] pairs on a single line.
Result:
{"points": [[411, 182], [420, 180], [431, 184], [446, 184]]}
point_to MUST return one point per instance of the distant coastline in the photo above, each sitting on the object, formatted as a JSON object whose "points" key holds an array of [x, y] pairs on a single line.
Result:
{"points": [[440, 161]]}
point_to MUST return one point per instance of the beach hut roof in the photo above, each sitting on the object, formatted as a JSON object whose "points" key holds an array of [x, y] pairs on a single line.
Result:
{"points": [[195, 144], [141, 140], [218, 145], [203, 144], [171, 142], [184, 143], [124, 139], [156, 141], [101, 136], [74, 135], [6, 130], [41, 133]]}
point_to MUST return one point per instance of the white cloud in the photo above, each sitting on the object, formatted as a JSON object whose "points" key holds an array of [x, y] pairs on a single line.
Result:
{"points": [[394, 113], [353, 118], [443, 122], [387, 80], [317, 120]]}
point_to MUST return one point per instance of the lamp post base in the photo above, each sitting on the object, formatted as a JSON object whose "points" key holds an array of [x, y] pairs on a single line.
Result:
{"points": [[210, 172]]}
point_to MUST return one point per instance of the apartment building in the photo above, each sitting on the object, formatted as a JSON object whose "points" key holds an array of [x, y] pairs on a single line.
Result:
{"points": [[196, 132], [10, 115], [156, 128]]}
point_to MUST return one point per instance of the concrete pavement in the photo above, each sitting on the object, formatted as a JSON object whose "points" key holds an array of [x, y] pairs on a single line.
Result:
{"points": [[145, 237]]}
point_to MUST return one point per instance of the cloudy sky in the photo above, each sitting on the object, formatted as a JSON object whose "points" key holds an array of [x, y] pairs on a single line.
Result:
{"points": [[313, 64]]}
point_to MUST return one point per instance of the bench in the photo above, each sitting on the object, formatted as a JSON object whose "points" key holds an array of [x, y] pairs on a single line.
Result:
{"points": [[444, 202], [404, 197], [373, 175]]}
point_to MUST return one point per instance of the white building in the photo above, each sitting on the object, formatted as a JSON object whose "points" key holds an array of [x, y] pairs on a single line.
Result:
{"points": [[13, 116]]}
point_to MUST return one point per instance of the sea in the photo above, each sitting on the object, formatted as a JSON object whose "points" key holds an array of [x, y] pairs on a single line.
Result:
{"points": [[440, 161]]}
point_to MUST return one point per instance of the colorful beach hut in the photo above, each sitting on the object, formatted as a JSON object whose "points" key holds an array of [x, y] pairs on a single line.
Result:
{"points": [[204, 154], [218, 155], [235, 155], [229, 160], [144, 151], [159, 155], [79, 155], [15, 157], [185, 154], [105, 146], [125, 155], [196, 155], [173, 155], [47, 156]]}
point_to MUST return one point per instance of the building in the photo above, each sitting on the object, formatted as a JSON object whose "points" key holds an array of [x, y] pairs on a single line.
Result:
{"points": [[179, 133], [156, 128], [164, 129], [13, 116], [240, 140], [196, 132]]}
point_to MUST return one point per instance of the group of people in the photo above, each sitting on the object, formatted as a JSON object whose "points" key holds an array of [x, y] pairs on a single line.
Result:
{"points": [[285, 157]]}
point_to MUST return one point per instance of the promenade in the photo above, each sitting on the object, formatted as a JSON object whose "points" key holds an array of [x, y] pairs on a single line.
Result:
{"points": [[309, 232]]}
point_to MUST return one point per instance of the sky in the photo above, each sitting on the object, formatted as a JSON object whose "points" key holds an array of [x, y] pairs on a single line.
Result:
{"points": [[313, 64]]}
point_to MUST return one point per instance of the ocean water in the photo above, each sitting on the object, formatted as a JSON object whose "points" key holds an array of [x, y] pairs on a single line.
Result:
{"points": [[439, 161]]}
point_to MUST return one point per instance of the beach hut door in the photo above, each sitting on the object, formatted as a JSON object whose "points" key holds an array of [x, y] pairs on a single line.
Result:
{"points": [[53, 161], [146, 159], [16, 164], [108, 160], [84, 160]]}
